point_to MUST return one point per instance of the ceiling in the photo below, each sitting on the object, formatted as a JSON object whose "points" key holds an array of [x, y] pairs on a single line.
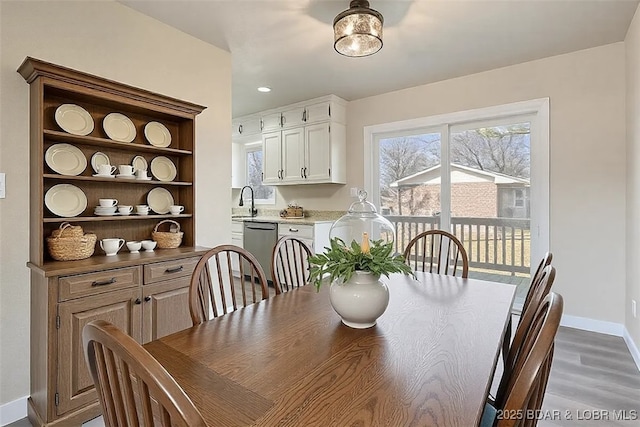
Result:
{"points": [[288, 45]]}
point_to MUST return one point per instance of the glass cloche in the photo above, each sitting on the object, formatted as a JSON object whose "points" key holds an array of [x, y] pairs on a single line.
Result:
{"points": [[362, 218]]}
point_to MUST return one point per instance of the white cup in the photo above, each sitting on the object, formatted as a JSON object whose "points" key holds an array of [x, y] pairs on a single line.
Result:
{"points": [[126, 170], [142, 209], [134, 247], [141, 174], [111, 246], [108, 203], [176, 209], [125, 209], [148, 245], [106, 169]]}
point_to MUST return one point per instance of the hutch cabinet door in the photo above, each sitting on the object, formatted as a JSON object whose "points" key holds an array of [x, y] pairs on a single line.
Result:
{"points": [[75, 385], [165, 308]]}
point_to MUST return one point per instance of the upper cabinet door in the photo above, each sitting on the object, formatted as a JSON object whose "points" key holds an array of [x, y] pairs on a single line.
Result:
{"points": [[293, 117], [320, 112], [271, 155], [318, 153], [293, 155], [248, 125], [271, 122]]}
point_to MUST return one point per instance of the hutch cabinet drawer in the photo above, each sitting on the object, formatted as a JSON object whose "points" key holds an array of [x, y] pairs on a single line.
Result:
{"points": [[300, 231], [169, 269], [81, 285]]}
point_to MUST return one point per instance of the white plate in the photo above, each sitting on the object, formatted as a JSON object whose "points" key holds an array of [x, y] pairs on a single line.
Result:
{"points": [[119, 127], [126, 176], [74, 119], [157, 134], [139, 163], [65, 200], [163, 168], [66, 159], [97, 175], [99, 158], [159, 200]]}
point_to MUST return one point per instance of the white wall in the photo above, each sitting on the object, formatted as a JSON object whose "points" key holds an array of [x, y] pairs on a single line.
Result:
{"points": [[587, 164], [110, 40], [632, 46]]}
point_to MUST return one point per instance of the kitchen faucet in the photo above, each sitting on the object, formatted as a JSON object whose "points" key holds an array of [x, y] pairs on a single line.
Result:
{"points": [[253, 210]]}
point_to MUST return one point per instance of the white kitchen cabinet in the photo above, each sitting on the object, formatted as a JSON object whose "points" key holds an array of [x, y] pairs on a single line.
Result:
{"points": [[246, 125], [310, 147], [315, 236], [293, 117], [271, 121], [238, 166]]}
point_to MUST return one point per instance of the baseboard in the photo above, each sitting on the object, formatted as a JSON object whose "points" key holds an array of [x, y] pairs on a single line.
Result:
{"points": [[631, 345], [592, 325], [13, 411]]}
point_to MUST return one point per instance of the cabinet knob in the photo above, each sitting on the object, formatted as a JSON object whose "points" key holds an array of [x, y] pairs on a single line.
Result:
{"points": [[147, 298], [137, 301]]}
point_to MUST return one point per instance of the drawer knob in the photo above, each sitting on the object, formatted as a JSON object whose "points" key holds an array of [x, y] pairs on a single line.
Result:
{"points": [[174, 269], [137, 301], [104, 282]]}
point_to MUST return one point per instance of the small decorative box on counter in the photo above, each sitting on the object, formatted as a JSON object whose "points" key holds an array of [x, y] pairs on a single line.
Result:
{"points": [[292, 212]]}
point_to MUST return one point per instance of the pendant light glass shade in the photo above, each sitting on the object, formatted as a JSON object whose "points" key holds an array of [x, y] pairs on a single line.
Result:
{"points": [[358, 30]]}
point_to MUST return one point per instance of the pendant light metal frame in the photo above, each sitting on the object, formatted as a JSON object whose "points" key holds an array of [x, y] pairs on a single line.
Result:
{"points": [[361, 8]]}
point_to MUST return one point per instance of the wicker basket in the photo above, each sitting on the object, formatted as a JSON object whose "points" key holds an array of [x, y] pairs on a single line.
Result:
{"points": [[167, 239], [69, 243]]}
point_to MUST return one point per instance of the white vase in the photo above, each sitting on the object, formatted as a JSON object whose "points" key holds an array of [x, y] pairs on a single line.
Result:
{"points": [[361, 300]]}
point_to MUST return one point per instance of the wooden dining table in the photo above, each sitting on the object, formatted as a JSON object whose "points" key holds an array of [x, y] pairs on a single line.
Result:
{"points": [[289, 361]]}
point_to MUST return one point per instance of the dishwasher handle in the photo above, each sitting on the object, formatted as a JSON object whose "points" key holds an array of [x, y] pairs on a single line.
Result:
{"points": [[260, 225]]}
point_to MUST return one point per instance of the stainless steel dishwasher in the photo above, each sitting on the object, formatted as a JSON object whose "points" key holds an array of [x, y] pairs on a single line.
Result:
{"points": [[259, 239]]}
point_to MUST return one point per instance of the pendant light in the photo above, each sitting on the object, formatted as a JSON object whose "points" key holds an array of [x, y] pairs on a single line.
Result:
{"points": [[358, 30]]}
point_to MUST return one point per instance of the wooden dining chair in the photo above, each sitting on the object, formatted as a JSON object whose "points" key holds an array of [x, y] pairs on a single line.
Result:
{"points": [[534, 286], [535, 280], [231, 292], [523, 391], [437, 251], [289, 264], [133, 388]]}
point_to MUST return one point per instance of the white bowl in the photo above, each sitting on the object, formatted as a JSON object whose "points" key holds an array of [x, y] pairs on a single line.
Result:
{"points": [[134, 247], [148, 245]]}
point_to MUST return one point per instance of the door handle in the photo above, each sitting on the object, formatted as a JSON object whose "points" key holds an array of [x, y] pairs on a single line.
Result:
{"points": [[301, 172], [174, 269]]}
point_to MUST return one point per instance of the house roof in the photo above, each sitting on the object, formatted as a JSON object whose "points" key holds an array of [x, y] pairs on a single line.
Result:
{"points": [[459, 174]]}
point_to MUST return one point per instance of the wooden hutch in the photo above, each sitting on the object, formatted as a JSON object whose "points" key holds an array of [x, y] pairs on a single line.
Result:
{"points": [[144, 294]]}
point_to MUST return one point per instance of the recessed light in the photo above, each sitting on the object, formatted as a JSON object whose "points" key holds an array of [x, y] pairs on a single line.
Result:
{"points": [[264, 89]]}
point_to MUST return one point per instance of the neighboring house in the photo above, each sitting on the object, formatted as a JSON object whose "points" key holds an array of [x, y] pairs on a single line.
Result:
{"points": [[474, 193]]}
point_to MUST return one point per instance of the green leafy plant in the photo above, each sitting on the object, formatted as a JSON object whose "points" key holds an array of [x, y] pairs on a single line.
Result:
{"points": [[341, 261]]}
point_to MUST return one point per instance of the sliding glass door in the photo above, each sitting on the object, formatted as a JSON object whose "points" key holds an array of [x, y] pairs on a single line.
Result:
{"points": [[472, 178]]}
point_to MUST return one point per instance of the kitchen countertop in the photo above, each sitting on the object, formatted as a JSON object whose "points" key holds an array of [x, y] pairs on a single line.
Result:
{"points": [[277, 219], [272, 215]]}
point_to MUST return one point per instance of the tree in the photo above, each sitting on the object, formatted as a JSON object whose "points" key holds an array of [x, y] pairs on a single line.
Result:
{"points": [[502, 149], [400, 158]]}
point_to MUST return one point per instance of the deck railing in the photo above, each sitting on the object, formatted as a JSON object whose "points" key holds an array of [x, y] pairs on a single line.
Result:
{"points": [[492, 243]]}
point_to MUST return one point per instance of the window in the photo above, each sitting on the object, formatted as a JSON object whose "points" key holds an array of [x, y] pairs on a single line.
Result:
{"points": [[263, 194], [519, 199]]}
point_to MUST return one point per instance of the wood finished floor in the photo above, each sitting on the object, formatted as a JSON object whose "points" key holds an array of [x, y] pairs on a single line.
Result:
{"points": [[591, 374]]}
